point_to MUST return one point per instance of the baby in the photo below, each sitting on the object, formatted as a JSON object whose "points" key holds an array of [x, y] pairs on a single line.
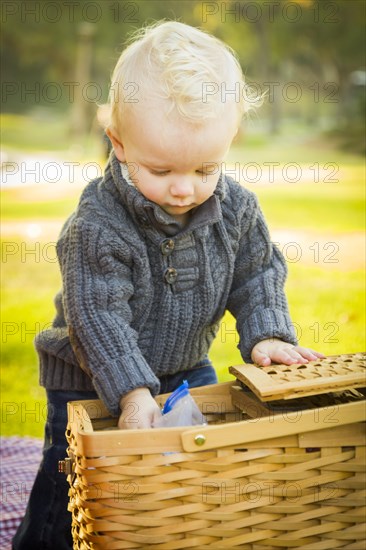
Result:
{"points": [[156, 252], [171, 133]]}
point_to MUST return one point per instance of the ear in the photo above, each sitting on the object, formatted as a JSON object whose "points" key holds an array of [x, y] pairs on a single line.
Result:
{"points": [[117, 144]]}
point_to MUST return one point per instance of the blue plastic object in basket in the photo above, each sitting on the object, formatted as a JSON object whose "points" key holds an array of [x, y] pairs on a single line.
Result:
{"points": [[176, 396]]}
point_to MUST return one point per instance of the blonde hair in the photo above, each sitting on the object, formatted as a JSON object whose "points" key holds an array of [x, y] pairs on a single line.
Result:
{"points": [[194, 72]]}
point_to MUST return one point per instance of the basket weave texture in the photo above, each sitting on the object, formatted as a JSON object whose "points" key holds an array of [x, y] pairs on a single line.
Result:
{"points": [[287, 480]]}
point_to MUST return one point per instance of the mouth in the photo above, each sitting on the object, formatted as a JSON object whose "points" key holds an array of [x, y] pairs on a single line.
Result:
{"points": [[181, 205]]}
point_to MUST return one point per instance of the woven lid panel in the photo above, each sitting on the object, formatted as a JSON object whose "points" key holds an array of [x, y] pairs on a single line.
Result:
{"points": [[333, 373]]}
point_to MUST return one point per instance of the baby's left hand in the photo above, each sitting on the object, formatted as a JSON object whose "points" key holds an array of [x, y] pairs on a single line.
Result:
{"points": [[277, 351]]}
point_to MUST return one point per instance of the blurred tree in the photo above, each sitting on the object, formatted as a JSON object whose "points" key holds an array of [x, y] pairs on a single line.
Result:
{"points": [[317, 44], [80, 112]]}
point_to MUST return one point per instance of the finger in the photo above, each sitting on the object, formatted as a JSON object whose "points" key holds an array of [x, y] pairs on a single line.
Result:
{"points": [[309, 354], [260, 358], [288, 357], [141, 424], [156, 416], [306, 353], [127, 425], [318, 355]]}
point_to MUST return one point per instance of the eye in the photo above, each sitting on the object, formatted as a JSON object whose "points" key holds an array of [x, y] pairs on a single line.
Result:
{"points": [[156, 173], [208, 171], [205, 173]]}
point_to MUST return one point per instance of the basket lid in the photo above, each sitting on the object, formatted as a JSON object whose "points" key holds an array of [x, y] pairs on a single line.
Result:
{"points": [[334, 373]]}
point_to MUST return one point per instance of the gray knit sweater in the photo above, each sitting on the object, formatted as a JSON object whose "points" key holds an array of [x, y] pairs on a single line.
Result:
{"points": [[143, 297]]}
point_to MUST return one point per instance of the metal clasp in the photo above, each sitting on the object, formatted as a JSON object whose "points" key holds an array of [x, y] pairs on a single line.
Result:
{"points": [[67, 466]]}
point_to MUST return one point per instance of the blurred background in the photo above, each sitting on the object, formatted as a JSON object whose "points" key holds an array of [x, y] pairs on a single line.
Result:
{"points": [[302, 153]]}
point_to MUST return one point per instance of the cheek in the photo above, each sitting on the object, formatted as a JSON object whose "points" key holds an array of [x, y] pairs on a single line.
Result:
{"points": [[153, 194], [148, 187], [206, 188]]}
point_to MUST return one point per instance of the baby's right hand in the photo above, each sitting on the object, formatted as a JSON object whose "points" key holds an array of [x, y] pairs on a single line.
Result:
{"points": [[139, 410]]}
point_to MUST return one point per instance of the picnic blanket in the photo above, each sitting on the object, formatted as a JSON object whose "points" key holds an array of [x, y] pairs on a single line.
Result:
{"points": [[19, 461]]}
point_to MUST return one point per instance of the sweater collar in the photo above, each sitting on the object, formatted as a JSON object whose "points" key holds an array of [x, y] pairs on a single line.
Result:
{"points": [[148, 213]]}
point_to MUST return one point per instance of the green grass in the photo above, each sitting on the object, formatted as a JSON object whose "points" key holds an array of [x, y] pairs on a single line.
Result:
{"points": [[47, 131], [12, 209], [338, 207], [328, 211], [332, 321], [303, 146], [335, 203], [44, 130], [328, 314], [327, 305], [27, 296]]}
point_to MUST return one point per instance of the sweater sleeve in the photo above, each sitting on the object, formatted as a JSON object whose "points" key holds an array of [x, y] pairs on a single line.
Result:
{"points": [[97, 288], [257, 298]]}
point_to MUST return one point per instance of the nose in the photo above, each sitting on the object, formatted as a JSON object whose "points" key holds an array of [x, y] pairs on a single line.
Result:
{"points": [[182, 187]]}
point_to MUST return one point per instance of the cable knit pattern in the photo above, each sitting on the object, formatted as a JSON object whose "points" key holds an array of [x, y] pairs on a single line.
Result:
{"points": [[131, 310]]}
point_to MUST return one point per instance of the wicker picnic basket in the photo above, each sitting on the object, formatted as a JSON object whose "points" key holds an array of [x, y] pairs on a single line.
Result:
{"points": [[285, 473]]}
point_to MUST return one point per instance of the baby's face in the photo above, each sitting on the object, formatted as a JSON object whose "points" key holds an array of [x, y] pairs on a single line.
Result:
{"points": [[175, 164]]}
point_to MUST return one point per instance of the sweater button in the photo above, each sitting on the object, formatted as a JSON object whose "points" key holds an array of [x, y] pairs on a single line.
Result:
{"points": [[167, 246], [170, 275]]}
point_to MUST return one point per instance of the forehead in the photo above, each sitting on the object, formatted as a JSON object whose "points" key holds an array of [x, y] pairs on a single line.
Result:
{"points": [[158, 136]]}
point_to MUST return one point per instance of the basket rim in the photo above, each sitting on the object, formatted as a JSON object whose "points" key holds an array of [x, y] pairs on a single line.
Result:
{"points": [[200, 438]]}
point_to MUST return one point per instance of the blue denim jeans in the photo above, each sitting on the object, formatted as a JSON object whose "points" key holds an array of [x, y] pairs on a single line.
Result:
{"points": [[47, 522]]}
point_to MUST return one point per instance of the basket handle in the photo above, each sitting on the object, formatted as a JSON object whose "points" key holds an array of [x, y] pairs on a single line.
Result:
{"points": [[234, 433], [81, 413]]}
